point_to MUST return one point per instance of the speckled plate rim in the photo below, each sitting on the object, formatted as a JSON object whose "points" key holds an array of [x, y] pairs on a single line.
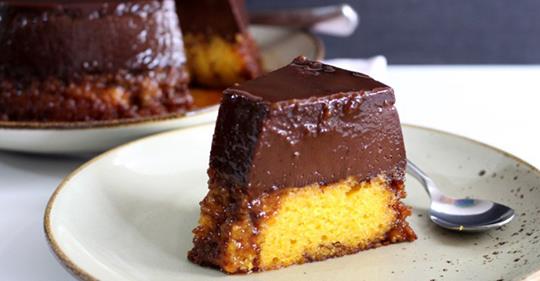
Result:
{"points": [[35, 125], [78, 272]]}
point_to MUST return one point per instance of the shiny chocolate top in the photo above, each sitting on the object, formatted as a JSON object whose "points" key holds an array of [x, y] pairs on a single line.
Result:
{"points": [[306, 123], [303, 79], [66, 38], [220, 17]]}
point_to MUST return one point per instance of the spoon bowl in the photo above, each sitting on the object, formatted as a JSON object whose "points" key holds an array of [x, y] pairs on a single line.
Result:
{"points": [[471, 215]]}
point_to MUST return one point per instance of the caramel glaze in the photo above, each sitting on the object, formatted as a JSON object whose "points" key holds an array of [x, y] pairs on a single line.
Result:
{"points": [[273, 132], [96, 97], [203, 97]]}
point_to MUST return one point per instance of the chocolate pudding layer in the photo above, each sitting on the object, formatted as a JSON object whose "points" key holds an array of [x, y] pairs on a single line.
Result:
{"points": [[345, 117]]}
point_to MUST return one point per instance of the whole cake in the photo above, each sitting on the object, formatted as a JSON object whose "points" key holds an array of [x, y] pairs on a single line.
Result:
{"points": [[219, 48], [307, 163], [85, 60]]}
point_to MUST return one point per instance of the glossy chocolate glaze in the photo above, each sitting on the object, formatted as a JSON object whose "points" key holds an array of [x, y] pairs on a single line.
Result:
{"points": [[66, 38], [219, 17], [304, 79], [306, 123]]}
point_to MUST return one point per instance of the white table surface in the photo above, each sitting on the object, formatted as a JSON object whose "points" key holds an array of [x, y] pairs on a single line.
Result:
{"points": [[498, 105]]}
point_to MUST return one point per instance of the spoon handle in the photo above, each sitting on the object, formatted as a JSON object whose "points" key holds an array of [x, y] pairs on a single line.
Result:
{"points": [[424, 179], [338, 20]]}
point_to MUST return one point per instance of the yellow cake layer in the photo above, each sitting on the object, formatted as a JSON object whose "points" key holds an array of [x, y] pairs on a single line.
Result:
{"points": [[216, 62], [315, 223], [305, 224]]}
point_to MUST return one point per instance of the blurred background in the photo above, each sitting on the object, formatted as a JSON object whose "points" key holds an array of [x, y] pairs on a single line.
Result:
{"points": [[435, 31]]}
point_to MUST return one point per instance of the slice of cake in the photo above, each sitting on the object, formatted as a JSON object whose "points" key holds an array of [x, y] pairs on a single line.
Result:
{"points": [[307, 163], [219, 48], [85, 60]]}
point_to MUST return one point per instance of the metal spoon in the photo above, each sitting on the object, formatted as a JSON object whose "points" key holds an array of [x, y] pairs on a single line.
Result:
{"points": [[472, 215], [338, 20]]}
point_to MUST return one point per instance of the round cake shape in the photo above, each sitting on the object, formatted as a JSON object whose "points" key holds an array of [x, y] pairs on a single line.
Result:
{"points": [[90, 60]]}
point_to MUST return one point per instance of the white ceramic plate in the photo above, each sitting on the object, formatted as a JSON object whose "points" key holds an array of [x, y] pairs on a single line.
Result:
{"points": [[278, 46], [128, 215]]}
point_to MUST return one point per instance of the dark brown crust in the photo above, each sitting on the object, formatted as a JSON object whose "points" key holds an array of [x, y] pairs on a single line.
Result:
{"points": [[235, 142], [226, 206], [95, 97]]}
